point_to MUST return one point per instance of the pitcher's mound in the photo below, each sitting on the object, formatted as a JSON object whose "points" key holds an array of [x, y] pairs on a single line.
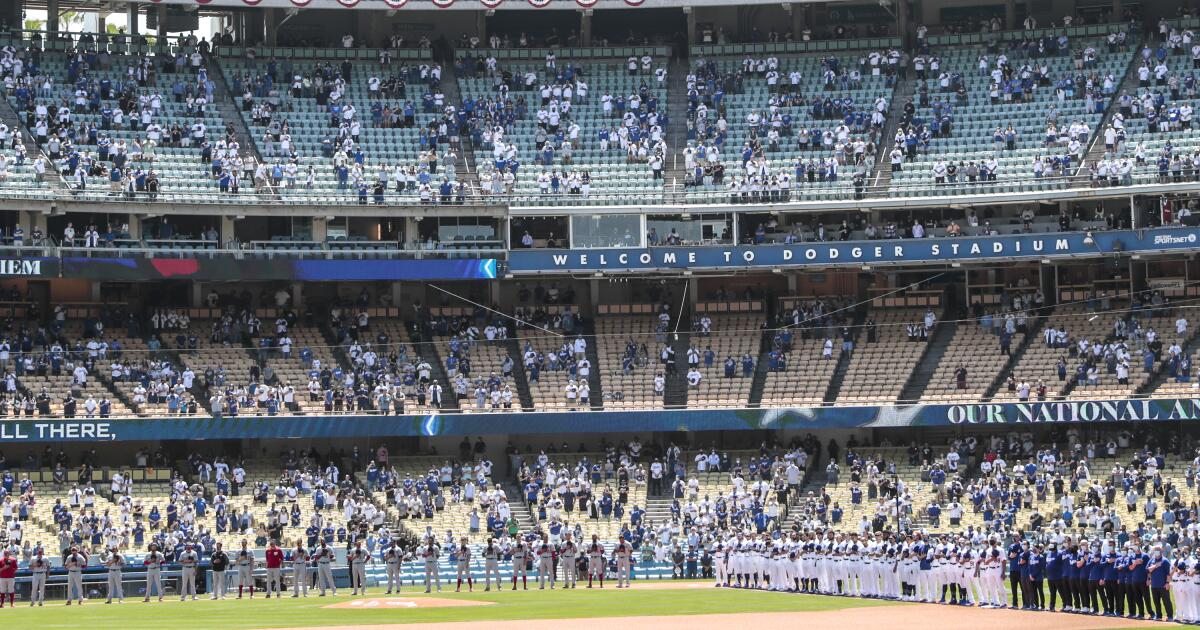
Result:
{"points": [[400, 603]]}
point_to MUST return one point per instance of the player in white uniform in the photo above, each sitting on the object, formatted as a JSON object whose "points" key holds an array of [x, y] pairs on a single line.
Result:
{"points": [[545, 564], [491, 566], [393, 557], [464, 566], [568, 555], [39, 567], [75, 562], [188, 560], [244, 563], [116, 589], [520, 556], [299, 558], [595, 553], [154, 562]]}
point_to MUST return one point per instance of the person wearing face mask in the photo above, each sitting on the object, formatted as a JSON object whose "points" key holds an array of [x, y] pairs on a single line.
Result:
{"points": [[1139, 589], [1159, 570]]}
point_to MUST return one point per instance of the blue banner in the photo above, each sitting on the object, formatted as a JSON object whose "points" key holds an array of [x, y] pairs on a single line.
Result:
{"points": [[795, 419], [225, 267], [826, 254]]}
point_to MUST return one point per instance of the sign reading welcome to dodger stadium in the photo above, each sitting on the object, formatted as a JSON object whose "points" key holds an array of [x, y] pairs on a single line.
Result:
{"points": [[795, 419]]}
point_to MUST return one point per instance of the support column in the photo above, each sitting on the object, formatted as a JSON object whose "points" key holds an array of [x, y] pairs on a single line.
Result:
{"points": [[97, 294], [228, 229], [197, 296], [101, 22], [396, 293], [412, 235], [594, 293], [1116, 11], [52, 16], [161, 13], [585, 27], [481, 27], [901, 8], [133, 17], [797, 20], [297, 295], [270, 26], [793, 284], [135, 227], [691, 24], [694, 291], [1010, 14], [320, 229]]}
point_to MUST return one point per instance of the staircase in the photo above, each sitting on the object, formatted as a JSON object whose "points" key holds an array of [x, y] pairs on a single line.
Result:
{"points": [[429, 352], [227, 105], [759, 384], [658, 510], [675, 395], [13, 119], [1096, 149], [464, 168], [1161, 374], [881, 177], [676, 131], [1032, 328], [843, 363], [595, 383], [120, 394], [520, 510], [519, 377], [336, 348], [935, 348]]}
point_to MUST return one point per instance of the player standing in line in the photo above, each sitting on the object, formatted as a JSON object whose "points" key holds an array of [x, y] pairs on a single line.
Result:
{"points": [[220, 564], [39, 566], [392, 558], [624, 554], [187, 580], [520, 556], [721, 565], [358, 568], [274, 562], [464, 566], [8, 579], [595, 552], [153, 563], [491, 566], [74, 564], [116, 589], [299, 558], [245, 569], [430, 554], [545, 570], [569, 554], [325, 570]]}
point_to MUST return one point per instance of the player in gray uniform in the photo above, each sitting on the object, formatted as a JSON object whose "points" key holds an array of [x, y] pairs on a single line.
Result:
{"points": [[430, 554], [299, 558], [187, 581], [75, 562], [520, 556], [624, 555], [115, 563], [153, 563], [464, 566], [491, 566], [568, 554], [392, 559], [244, 562], [545, 568], [358, 568], [595, 553], [39, 567], [325, 570]]}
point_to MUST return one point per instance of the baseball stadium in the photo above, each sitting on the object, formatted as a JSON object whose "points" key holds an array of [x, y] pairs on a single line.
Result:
{"points": [[533, 314]]}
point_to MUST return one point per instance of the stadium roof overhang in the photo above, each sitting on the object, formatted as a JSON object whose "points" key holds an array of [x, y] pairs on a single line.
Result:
{"points": [[471, 5]]}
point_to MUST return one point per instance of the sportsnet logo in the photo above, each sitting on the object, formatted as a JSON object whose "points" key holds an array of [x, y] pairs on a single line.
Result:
{"points": [[1167, 239]]}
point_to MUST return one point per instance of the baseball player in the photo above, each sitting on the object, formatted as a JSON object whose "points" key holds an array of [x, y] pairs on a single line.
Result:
{"points": [[299, 570], [393, 556], [187, 581], [624, 554], [153, 563], [464, 566], [39, 566], [220, 563], [244, 562], [358, 569], [519, 557], [491, 566], [545, 569], [325, 570], [721, 565], [115, 563], [569, 553], [595, 553], [274, 562], [74, 564], [8, 579], [430, 554]]}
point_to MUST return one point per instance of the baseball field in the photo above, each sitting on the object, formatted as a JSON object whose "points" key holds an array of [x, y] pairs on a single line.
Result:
{"points": [[664, 605]]}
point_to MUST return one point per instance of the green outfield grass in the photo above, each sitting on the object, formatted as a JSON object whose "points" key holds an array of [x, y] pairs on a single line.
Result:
{"points": [[509, 605]]}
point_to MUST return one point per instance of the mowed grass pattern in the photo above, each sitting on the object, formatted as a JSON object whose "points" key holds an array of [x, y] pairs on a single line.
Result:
{"points": [[509, 605]]}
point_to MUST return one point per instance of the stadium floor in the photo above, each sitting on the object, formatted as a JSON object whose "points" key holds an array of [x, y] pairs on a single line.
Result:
{"points": [[658, 605]]}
